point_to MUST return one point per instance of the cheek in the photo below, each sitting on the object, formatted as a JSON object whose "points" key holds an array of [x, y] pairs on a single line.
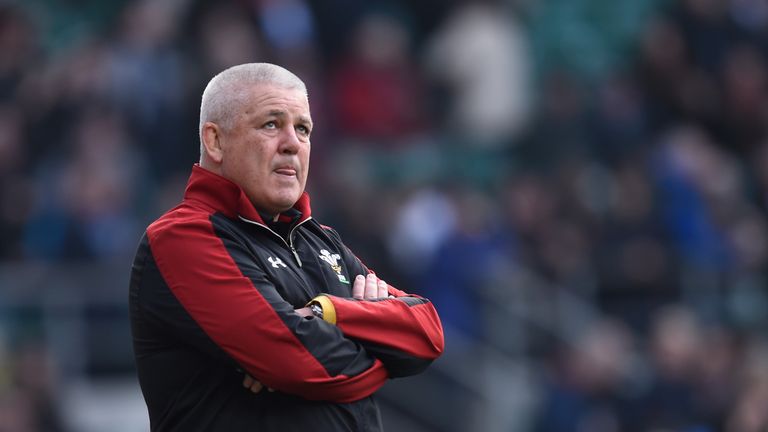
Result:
{"points": [[256, 159], [305, 164]]}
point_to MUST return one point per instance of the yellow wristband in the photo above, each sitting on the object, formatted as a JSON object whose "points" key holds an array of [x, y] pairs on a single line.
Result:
{"points": [[329, 311]]}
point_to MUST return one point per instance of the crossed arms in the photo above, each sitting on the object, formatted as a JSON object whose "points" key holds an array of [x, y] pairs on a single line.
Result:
{"points": [[379, 331]]}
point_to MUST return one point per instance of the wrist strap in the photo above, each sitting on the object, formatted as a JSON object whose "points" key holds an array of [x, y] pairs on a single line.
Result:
{"points": [[326, 308]]}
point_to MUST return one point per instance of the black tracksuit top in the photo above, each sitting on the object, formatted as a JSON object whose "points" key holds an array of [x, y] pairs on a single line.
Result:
{"points": [[212, 296]]}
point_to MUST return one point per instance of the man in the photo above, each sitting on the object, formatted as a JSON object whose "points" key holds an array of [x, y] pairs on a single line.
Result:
{"points": [[239, 287]]}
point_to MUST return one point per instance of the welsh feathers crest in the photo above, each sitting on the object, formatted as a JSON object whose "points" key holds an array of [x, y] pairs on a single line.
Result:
{"points": [[333, 261]]}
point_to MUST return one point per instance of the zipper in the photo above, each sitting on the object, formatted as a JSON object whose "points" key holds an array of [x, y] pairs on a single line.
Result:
{"points": [[289, 243], [296, 255]]}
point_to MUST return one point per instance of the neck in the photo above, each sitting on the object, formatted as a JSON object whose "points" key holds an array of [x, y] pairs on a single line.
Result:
{"points": [[268, 217]]}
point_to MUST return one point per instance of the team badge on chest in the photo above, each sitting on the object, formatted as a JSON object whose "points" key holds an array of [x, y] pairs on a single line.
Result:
{"points": [[333, 261]]}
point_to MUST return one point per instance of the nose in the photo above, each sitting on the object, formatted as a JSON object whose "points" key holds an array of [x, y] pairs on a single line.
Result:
{"points": [[289, 143]]}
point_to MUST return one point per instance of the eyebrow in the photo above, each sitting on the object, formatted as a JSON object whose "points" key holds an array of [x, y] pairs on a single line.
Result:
{"points": [[281, 113]]}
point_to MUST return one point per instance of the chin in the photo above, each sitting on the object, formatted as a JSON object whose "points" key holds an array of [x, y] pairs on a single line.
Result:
{"points": [[286, 203]]}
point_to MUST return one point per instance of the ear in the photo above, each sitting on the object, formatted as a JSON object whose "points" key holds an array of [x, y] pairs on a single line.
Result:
{"points": [[211, 137]]}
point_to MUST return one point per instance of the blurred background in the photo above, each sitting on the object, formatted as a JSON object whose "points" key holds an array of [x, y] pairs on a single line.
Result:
{"points": [[580, 186]]}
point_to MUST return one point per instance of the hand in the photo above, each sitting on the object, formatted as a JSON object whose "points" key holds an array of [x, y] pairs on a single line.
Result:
{"points": [[255, 386], [305, 312], [252, 384], [369, 287]]}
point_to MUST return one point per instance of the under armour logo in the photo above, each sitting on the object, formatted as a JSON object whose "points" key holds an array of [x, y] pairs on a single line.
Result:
{"points": [[276, 262]]}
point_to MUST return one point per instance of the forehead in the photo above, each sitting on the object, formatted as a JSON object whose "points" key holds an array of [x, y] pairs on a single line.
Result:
{"points": [[264, 98]]}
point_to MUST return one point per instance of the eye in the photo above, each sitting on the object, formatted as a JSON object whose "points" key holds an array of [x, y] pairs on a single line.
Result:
{"points": [[304, 130], [270, 125]]}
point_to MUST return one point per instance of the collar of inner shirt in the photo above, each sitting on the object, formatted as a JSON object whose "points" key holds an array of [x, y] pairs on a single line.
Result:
{"points": [[283, 222]]}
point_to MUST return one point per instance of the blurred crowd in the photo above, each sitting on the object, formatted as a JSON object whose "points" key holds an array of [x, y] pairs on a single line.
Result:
{"points": [[617, 151]]}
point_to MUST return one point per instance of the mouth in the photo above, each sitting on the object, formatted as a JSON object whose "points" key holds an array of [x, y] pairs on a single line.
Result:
{"points": [[287, 171]]}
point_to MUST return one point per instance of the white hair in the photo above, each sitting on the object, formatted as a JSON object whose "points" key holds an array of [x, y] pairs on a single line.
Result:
{"points": [[223, 96]]}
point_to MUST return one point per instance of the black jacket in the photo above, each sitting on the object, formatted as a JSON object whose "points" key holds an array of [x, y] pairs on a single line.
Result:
{"points": [[212, 296]]}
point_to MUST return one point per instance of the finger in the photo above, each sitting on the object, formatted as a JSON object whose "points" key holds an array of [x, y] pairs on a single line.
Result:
{"points": [[382, 292], [256, 386], [304, 312], [371, 288], [248, 381], [358, 288]]}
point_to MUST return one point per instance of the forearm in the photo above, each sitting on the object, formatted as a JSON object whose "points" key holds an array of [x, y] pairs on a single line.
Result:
{"points": [[404, 332], [333, 367]]}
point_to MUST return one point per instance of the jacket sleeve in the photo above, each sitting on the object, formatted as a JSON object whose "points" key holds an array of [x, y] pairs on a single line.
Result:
{"points": [[404, 331], [220, 285]]}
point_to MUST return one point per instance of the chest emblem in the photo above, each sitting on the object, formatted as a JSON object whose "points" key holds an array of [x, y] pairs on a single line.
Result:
{"points": [[333, 261], [276, 262]]}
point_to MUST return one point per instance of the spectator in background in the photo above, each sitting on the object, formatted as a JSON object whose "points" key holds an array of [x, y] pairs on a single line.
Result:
{"points": [[751, 18], [18, 49], [467, 259], [758, 169], [719, 370], [587, 389], [675, 89], [745, 89], [530, 205], [561, 130], [377, 95], [288, 26], [694, 178], [27, 390], [748, 413], [480, 58], [15, 193], [619, 123], [87, 200], [634, 257], [377, 110], [426, 217], [226, 38], [144, 47], [707, 31], [676, 346]]}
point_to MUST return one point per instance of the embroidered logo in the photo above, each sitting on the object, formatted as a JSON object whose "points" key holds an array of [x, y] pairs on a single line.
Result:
{"points": [[333, 261], [276, 262]]}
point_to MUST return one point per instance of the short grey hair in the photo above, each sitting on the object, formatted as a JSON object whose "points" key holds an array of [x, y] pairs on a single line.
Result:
{"points": [[224, 94]]}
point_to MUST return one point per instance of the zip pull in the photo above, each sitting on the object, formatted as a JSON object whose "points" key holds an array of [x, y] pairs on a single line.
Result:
{"points": [[296, 255]]}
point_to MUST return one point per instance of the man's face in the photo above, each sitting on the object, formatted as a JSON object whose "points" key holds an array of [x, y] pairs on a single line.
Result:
{"points": [[266, 151]]}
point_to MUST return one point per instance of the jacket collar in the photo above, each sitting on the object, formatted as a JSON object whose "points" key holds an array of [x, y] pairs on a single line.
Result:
{"points": [[224, 196]]}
